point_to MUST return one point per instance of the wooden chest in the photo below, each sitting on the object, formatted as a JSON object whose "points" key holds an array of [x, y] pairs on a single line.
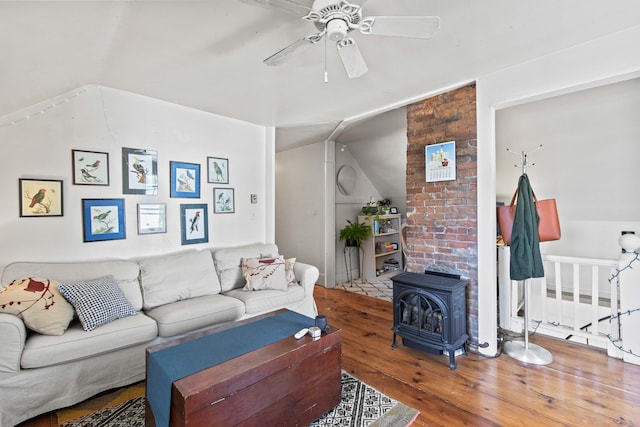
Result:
{"points": [[288, 383]]}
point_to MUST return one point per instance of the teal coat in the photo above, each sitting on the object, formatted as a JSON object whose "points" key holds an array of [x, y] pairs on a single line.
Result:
{"points": [[526, 261]]}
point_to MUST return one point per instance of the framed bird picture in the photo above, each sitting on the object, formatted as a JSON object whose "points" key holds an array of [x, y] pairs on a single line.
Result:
{"points": [[223, 200], [103, 219], [217, 170], [185, 179], [90, 167], [194, 223], [139, 171], [40, 197]]}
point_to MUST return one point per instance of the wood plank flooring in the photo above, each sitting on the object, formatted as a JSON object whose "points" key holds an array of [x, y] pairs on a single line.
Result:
{"points": [[581, 387]]}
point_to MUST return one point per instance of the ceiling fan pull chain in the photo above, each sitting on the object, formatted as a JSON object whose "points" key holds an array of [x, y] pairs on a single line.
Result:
{"points": [[326, 75]]}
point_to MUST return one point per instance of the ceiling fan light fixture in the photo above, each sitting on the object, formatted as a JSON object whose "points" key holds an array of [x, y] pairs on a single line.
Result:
{"points": [[337, 29]]}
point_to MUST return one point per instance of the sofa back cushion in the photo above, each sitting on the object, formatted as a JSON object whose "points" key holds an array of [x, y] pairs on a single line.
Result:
{"points": [[175, 277], [125, 273], [229, 262]]}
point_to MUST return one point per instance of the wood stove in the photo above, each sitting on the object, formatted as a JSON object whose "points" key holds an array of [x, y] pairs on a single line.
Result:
{"points": [[430, 313]]}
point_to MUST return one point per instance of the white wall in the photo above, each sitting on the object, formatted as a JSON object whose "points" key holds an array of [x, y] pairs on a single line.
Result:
{"points": [[300, 204], [348, 207], [591, 64], [104, 119], [589, 162], [380, 147]]}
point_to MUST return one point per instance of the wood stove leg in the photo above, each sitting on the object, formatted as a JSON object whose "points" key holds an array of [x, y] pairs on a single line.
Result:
{"points": [[394, 345], [452, 359]]}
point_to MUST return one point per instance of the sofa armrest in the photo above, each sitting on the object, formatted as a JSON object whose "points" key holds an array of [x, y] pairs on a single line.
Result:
{"points": [[307, 275], [12, 336]]}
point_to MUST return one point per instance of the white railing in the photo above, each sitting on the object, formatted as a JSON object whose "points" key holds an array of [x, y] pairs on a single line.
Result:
{"points": [[576, 300]]}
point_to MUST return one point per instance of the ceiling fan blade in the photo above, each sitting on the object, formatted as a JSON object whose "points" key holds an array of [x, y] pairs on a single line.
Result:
{"points": [[295, 7], [417, 27], [280, 56], [358, 2], [351, 58]]}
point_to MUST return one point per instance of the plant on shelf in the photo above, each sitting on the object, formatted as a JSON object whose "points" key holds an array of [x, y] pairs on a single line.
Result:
{"points": [[370, 208], [354, 234], [380, 207]]}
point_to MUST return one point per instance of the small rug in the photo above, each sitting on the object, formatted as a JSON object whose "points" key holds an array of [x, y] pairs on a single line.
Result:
{"points": [[382, 288], [361, 405]]}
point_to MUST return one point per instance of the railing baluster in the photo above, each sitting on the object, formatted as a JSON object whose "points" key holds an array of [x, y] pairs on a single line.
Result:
{"points": [[576, 296], [558, 275], [595, 300]]}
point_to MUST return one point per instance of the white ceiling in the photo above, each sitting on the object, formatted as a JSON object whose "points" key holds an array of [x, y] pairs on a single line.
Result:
{"points": [[208, 54]]}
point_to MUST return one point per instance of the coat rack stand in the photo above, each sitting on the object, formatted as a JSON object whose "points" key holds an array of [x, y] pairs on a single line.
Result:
{"points": [[525, 351]]}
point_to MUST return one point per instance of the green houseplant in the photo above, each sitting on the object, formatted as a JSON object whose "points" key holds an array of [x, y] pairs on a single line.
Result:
{"points": [[355, 233]]}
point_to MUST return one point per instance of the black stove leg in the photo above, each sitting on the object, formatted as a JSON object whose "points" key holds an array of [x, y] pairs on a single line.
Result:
{"points": [[394, 345], [452, 359]]}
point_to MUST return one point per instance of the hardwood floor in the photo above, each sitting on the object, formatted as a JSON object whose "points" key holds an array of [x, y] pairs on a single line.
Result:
{"points": [[581, 387]]}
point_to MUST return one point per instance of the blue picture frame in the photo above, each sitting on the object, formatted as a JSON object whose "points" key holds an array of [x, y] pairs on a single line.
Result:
{"points": [[194, 223], [103, 219], [185, 179]]}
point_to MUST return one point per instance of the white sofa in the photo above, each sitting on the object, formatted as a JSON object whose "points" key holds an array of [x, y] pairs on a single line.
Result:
{"points": [[172, 294]]}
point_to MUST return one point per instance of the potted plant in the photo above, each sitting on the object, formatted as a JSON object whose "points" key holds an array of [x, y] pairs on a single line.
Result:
{"points": [[355, 233], [370, 208]]}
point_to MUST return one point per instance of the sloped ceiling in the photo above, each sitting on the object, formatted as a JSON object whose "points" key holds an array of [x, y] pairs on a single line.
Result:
{"points": [[208, 54]]}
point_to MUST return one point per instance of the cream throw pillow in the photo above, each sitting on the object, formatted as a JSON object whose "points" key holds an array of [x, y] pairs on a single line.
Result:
{"points": [[39, 304], [264, 273]]}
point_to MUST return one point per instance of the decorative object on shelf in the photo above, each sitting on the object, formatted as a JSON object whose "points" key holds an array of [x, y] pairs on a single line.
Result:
{"points": [[194, 223], [40, 197], [223, 200], [370, 208], [103, 219], [440, 162], [393, 210], [152, 218], [90, 167], [185, 179], [217, 170], [384, 206], [139, 171], [376, 207]]}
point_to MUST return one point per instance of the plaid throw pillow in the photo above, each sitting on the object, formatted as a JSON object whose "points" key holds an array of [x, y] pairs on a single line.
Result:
{"points": [[97, 302]]}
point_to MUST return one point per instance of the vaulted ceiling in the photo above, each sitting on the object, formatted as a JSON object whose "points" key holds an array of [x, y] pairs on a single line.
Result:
{"points": [[208, 54]]}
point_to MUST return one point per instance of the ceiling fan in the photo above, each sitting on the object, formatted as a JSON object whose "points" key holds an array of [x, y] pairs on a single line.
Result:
{"points": [[335, 19]]}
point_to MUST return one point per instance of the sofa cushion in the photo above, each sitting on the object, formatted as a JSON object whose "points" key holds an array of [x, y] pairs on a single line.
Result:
{"points": [[124, 271], [264, 273], [39, 304], [77, 344], [176, 277], [97, 302], [188, 315], [229, 262], [267, 299]]}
